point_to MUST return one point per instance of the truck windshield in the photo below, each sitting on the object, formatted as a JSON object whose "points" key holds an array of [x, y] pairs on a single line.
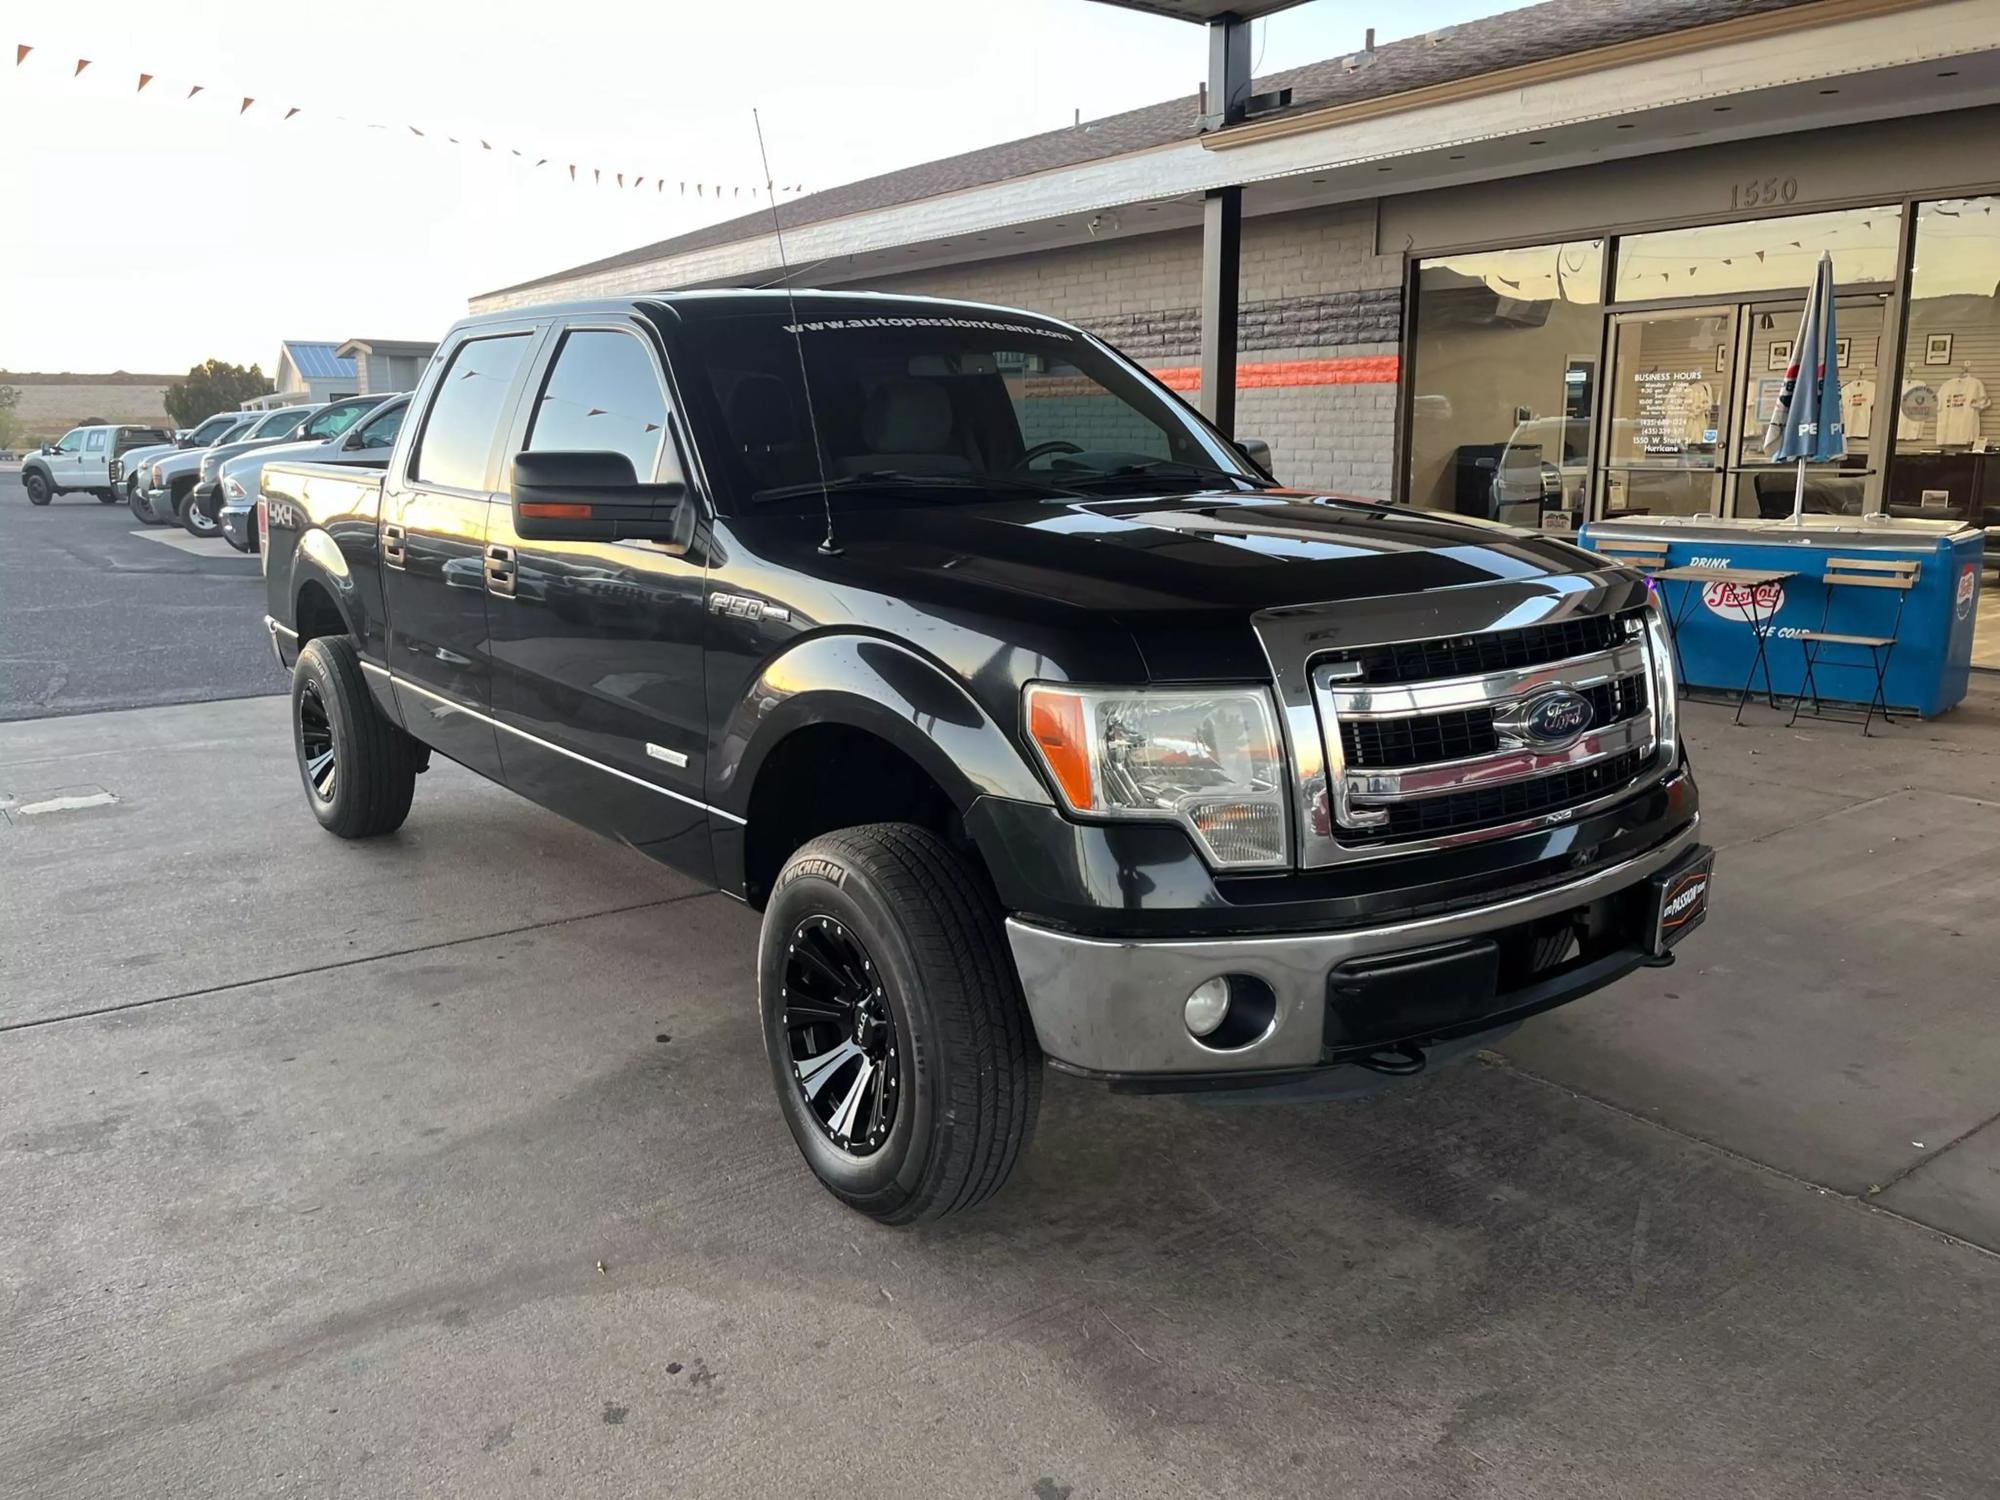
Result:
{"points": [[935, 409]]}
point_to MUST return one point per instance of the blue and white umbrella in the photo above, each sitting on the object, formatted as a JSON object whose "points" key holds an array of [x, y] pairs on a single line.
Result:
{"points": [[1806, 426]]}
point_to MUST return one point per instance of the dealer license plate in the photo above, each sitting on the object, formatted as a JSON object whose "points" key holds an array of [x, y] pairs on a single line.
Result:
{"points": [[1680, 897]]}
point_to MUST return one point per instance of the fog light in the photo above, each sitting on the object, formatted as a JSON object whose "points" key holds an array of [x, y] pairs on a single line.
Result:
{"points": [[1208, 1007]]}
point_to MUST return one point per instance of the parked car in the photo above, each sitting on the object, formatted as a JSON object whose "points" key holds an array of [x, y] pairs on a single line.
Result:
{"points": [[1036, 721], [173, 478], [317, 426], [137, 461], [367, 443], [86, 460]]}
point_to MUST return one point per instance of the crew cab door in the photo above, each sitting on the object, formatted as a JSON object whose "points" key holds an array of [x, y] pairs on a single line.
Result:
{"points": [[94, 466], [597, 646], [436, 500], [66, 463]]}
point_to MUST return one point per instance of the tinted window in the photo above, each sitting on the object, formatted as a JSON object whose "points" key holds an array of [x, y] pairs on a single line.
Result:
{"points": [[953, 398], [457, 443], [335, 420], [602, 397], [212, 429], [139, 437], [380, 432], [93, 440], [279, 424]]}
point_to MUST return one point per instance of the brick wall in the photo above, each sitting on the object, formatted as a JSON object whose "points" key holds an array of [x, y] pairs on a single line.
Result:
{"points": [[1317, 338]]}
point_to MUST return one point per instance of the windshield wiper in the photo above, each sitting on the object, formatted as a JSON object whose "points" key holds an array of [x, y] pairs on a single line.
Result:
{"points": [[898, 479], [1155, 466]]}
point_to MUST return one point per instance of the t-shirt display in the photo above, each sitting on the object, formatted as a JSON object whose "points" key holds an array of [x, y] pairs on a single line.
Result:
{"points": [[1857, 406], [1960, 400]]}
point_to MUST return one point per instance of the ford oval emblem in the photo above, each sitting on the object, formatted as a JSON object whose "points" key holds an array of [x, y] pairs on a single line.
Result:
{"points": [[1557, 717]]}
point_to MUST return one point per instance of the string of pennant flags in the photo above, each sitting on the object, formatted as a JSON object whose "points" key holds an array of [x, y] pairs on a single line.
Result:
{"points": [[578, 172]]}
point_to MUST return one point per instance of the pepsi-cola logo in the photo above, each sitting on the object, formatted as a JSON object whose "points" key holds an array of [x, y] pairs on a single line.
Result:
{"points": [[1968, 585], [1752, 603]]}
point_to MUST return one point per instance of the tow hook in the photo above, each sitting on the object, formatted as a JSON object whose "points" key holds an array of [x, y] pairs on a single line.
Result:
{"points": [[1404, 1060]]}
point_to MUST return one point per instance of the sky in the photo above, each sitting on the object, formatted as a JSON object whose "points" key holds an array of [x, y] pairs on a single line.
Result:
{"points": [[148, 230]]}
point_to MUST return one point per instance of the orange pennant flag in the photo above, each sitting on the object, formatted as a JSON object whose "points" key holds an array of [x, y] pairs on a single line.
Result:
{"points": [[245, 106], [621, 179], [196, 90], [597, 176], [485, 145], [572, 171], [81, 64], [415, 131], [292, 111], [638, 182], [144, 79], [21, 51]]}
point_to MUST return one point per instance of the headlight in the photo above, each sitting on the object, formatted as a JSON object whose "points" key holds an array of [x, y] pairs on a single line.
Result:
{"points": [[1666, 681], [233, 487], [207, 470], [1208, 759], [156, 476]]}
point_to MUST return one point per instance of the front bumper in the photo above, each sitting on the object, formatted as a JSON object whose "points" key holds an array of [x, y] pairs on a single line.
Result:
{"points": [[239, 526], [160, 503], [1112, 1008]]}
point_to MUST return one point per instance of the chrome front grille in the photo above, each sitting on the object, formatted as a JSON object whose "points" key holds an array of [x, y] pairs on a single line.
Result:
{"points": [[1445, 757], [1479, 652], [1406, 716]]}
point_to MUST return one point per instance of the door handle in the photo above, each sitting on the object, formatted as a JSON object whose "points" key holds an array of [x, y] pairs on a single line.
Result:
{"points": [[501, 569], [394, 554]]}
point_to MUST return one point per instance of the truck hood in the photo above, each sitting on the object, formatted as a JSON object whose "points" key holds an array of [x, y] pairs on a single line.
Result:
{"points": [[1183, 573]]}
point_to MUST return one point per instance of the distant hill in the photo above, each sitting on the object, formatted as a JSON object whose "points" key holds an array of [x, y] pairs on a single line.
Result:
{"points": [[53, 402]]}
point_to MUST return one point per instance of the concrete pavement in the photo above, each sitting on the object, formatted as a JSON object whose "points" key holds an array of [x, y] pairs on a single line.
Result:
{"points": [[448, 1165]]}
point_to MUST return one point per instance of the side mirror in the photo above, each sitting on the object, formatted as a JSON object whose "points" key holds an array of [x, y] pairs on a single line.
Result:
{"points": [[596, 497], [1258, 452]]}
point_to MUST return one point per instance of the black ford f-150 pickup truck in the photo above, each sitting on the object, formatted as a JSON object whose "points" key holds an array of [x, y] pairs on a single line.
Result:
{"points": [[1038, 721]]}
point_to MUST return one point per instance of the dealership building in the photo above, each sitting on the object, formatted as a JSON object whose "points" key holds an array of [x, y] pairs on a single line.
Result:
{"points": [[1545, 266]]}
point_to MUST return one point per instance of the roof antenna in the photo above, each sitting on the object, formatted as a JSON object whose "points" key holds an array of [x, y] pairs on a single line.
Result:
{"points": [[827, 548]]}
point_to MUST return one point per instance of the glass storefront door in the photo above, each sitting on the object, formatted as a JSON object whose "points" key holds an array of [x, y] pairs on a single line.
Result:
{"points": [[1691, 393], [1757, 486], [1666, 441]]}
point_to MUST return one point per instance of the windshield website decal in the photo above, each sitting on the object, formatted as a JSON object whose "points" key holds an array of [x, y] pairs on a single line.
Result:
{"points": [[828, 324]]}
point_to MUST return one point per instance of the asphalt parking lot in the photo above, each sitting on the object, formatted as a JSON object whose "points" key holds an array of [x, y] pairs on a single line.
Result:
{"points": [[103, 612], [447, 1164]]}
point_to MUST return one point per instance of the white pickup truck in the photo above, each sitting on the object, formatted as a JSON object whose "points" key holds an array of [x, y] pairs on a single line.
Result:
{"points": [[85, 460]]}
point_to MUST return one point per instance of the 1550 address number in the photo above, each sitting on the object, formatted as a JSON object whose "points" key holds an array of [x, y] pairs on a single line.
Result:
{"points": [[1763, 192]]}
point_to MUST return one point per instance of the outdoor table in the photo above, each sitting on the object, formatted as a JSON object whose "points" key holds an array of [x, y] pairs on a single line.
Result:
{"points": [[1725, 624], [1761, 589]]}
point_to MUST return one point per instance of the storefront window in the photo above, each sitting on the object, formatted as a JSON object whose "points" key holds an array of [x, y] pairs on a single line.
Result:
{"points": [[1758, 255], [1504, 381], [1947, 459]]}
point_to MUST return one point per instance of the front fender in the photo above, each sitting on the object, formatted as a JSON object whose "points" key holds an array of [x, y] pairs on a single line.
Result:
{"points": [[877, 685]]}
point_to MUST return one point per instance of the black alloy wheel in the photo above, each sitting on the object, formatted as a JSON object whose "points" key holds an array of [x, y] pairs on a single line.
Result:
{"points": [[843, 1037], [905, 1062], [317, 754]]}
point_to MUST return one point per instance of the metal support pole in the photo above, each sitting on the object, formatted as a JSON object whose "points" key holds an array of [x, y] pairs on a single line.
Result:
{"points": [[1221, 265], [1228, 72]]}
